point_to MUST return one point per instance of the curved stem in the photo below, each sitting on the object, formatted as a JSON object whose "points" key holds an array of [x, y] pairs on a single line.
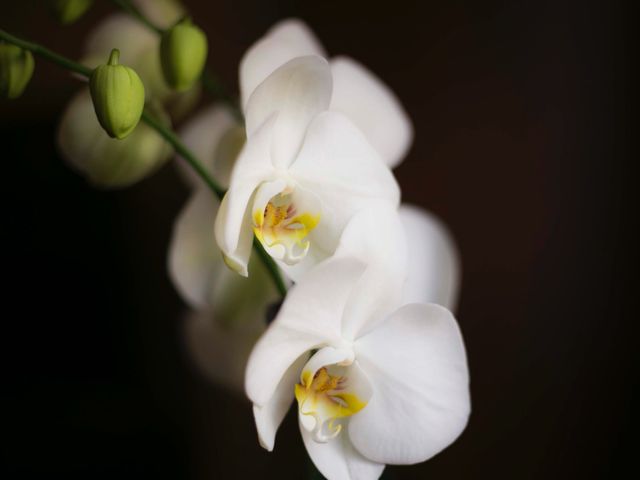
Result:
{"points": [[271, 265], [132, 10], [166, 133], [181, 148], [46, 53]]}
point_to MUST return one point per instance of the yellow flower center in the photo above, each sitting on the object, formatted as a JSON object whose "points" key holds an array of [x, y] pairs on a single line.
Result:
{"points": [[325, 399], [281, 229]]}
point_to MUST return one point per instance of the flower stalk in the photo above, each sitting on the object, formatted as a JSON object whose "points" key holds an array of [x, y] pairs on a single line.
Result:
{"points": [[135, 12], [168, 134]]}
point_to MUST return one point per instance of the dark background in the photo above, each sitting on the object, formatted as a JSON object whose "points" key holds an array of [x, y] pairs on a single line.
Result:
{"points": [[520, 147]]}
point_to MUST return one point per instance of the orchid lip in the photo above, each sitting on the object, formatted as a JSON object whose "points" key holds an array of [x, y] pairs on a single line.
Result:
{"points": [[282, 229], [326, 398]]}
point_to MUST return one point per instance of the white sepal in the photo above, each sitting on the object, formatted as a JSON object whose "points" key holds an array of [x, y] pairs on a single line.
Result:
{"points": [[373, 107]]}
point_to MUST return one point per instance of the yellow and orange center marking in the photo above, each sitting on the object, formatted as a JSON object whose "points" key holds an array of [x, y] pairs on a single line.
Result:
{"points": [[327, 398], [280, 224]]}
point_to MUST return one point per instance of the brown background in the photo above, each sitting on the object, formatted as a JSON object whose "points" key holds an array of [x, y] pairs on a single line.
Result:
{"points": [[519, 147]]}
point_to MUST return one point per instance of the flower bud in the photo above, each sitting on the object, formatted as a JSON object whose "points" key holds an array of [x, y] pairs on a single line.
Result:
{"points": [[118, 97], [183, 53], [16, 69], [68, 11]]}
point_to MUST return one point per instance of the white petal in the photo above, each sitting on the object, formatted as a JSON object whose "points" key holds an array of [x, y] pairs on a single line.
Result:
{"points": [[310, 317], [233, 230], [297, 91], [373, 107], [269, 416], [286, 40], [417, 366], [203, 134], [338, 460], [434, 267], [220, 352], [341, 168]]}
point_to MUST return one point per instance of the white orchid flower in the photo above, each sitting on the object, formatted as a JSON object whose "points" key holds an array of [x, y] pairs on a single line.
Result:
{"points": [[375, 384], [307, 168], [228, 311]]}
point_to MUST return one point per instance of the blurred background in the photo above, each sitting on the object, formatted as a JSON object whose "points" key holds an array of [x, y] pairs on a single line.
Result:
{"points": [[521, 150]]}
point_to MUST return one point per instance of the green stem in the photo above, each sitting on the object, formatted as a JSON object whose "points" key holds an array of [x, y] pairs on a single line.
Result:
{"points": [[132, 10], [46, 53], [181, 148], [271, 266], [168, 134]]}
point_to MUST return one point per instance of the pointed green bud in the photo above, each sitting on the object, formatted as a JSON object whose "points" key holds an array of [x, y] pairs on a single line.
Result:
{"points": [[118, 97], [68, 11], [16, 69], [183, 53]]}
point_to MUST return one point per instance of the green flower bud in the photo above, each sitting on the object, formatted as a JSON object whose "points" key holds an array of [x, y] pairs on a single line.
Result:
{"points": [[68, 11], [16, 69], [118, 97], [183, 53]]}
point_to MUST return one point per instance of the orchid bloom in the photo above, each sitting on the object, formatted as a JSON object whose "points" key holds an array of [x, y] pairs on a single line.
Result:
{"points": [[321, 137], [375, 384], [377, 380], [228, 311]]}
